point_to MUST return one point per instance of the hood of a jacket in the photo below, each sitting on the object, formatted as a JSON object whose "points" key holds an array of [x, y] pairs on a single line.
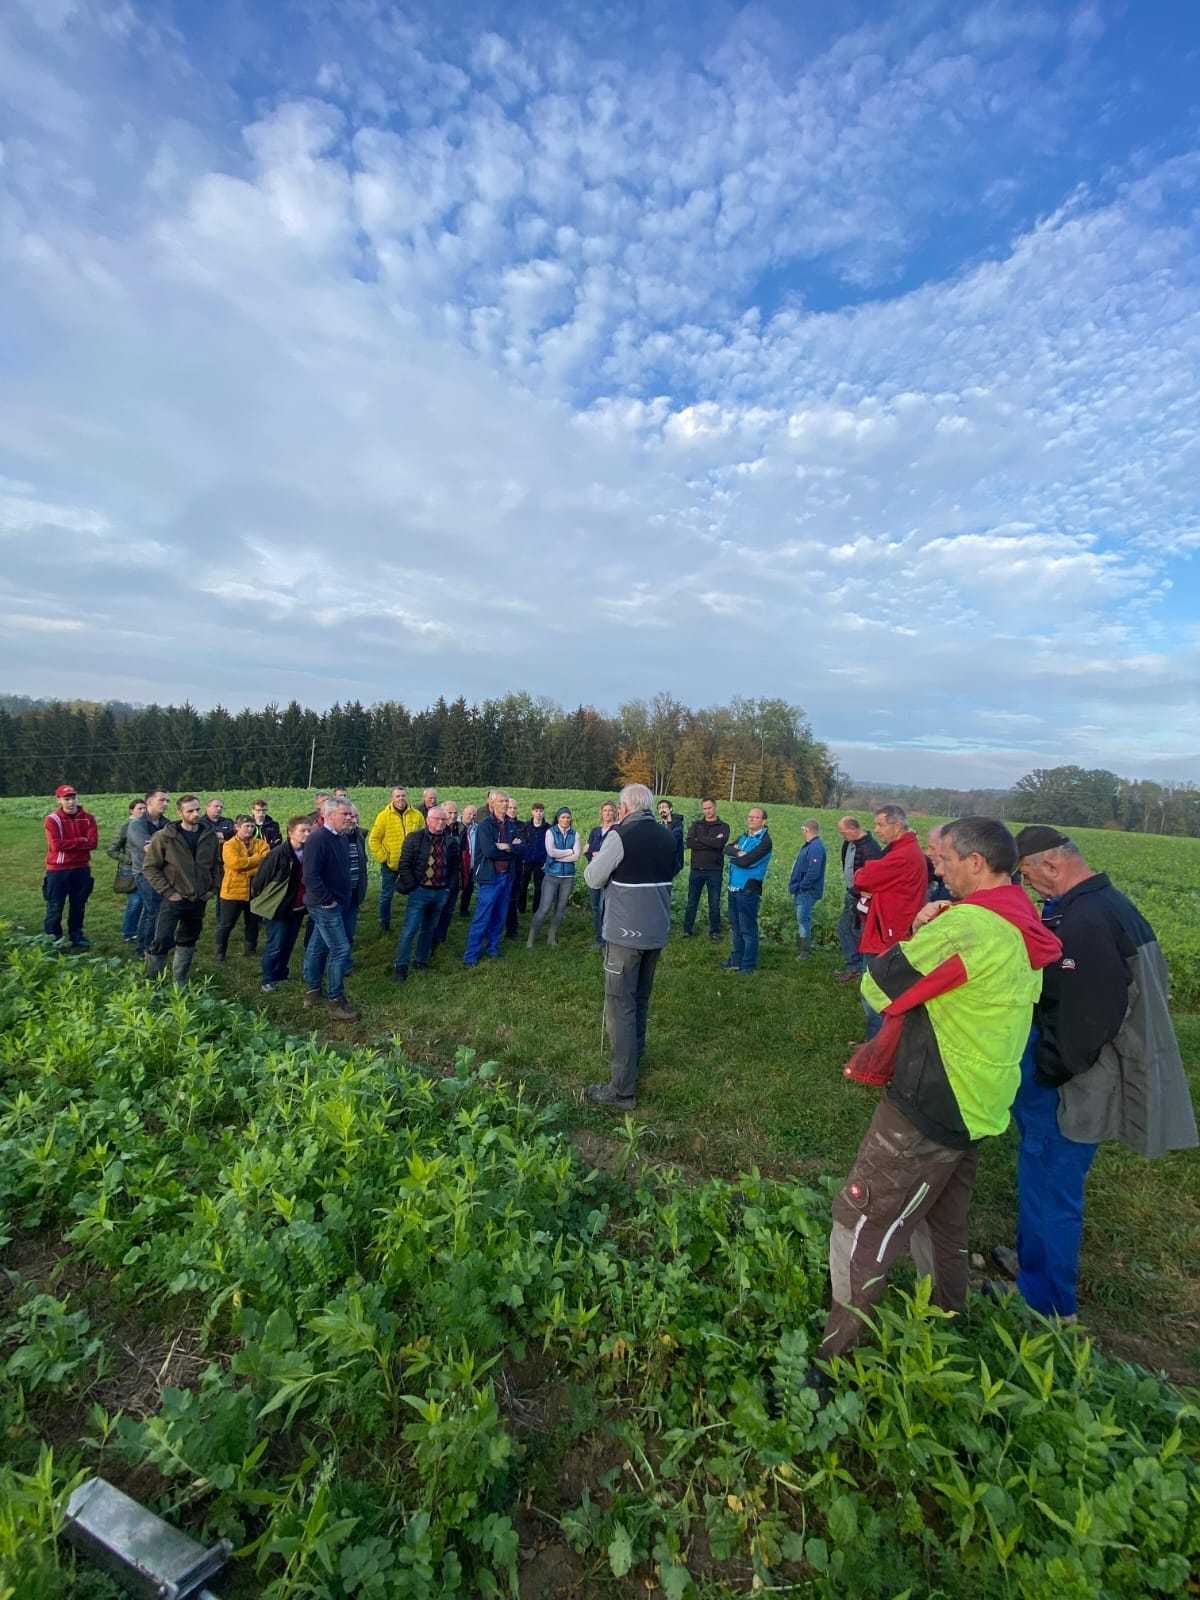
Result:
{"points": [[1014, 905]]}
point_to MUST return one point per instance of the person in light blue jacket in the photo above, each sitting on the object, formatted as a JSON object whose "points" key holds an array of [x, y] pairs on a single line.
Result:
{"points": [[807, 884], [749, 859]]}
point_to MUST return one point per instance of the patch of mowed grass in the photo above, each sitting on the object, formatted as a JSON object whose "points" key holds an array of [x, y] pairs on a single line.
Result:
{"points": [[740, 1072]]}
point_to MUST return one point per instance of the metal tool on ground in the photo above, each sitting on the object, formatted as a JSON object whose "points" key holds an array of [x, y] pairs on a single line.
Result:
{"points": [[146, 1555]]}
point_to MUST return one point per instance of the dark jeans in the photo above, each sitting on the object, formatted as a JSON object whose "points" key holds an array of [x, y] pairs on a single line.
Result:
{"points": [[387, 888], [487, 925], [445, 915], [229, 912], [1051, 1173], [464, 899], [874, 1018], [420, 923], [628, 982], [597, 913], [904, 1192], [133, 915], [531, 876], [282, 933], [70, 887], [743, 924], [328, 954], [513, 906], [700, 878], [848, 930], [150, 900], [179, 924]]}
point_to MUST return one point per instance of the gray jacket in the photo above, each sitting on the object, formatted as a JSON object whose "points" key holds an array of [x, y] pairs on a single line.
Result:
{"points": [[635, 866]]}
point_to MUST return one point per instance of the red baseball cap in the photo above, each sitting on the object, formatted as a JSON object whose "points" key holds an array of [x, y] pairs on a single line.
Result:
{"points": [[64, 792]]}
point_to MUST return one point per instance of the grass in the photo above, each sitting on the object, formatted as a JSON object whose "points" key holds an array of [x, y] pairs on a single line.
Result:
{"points": [[740, 1072]]}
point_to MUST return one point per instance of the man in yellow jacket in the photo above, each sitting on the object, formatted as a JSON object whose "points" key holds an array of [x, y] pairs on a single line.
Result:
{"points": [[242, 855], [385, 841]]}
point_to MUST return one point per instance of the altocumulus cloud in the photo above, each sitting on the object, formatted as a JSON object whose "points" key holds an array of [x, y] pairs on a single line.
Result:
{"points": [[356, 352]]}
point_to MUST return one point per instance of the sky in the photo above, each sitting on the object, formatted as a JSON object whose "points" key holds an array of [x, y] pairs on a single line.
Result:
{"points": [[842, 353]]}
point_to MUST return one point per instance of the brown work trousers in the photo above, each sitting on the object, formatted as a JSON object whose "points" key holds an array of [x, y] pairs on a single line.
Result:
{"points": [[904, 1192]]}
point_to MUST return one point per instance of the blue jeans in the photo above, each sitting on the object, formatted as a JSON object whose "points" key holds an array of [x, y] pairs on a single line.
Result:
{"points": [[149, 900], [597, 897], [743, 924], [848, 932], [282, 933], [699, 879], [420, 924], [805, 902], [1051, 1173], [874, 1018], [487, 925], [387, 888], [133, 915], [328, 953], [72, 885]]}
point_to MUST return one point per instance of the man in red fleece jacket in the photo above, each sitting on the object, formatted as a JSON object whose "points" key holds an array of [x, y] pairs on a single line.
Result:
{"points": [[893, 890], [71, 836]]}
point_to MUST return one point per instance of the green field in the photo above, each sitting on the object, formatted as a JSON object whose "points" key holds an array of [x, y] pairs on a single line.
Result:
{"points": [[156, 1101]]}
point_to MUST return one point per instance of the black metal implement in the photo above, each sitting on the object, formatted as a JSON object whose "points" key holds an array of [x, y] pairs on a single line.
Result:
{"points": [[145, 1554]]}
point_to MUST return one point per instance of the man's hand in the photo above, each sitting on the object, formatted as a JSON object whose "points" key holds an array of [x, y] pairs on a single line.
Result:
{"points": [[174, 898], [928, 912]]}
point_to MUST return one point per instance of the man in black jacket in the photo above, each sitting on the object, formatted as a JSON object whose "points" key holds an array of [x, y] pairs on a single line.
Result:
{"points": [[427, 874], [283, 869], [182, 866], [329, 895], [858, 847], [265, 826], [706, 839]]}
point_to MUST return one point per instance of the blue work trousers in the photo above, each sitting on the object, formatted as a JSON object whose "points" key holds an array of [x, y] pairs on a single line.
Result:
{"points": [[487, 924], [1051, 1174]]}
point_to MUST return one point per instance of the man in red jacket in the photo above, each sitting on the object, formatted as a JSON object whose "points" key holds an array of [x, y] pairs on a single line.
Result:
{"points": [[892, 890], [71, 836]]}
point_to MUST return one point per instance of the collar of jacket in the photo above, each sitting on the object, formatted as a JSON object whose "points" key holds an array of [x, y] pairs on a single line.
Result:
{"points": [[1092, 885]]}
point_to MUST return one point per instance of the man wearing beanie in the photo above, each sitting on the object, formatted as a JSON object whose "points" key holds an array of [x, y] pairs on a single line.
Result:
{"points": [[1102, 1062], [71, 836]]}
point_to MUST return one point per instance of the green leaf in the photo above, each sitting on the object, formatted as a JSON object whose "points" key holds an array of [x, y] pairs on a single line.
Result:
{"points": [[842, 1520], [620, 1551]]}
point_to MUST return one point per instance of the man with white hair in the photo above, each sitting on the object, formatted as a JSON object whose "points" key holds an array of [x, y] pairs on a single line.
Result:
{"points": [[635, 866], [496, 866]]}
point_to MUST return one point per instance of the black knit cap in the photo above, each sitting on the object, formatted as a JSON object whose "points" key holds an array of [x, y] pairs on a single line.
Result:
{"points": [[1032, 841]]}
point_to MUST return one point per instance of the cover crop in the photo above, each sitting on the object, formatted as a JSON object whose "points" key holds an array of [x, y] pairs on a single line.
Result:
{"points": [[369, 1256]]}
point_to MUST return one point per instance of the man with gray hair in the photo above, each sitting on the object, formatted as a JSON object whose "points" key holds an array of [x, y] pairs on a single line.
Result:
{"points": [[495, 870], [329, 894], [1102, 1062], [635, 866]]}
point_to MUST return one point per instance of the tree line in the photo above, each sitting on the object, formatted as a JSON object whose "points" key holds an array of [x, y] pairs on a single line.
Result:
{"points": [[752, 749]]}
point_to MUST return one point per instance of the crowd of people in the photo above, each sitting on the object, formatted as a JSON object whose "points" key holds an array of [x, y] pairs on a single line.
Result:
{"points": [[976, 1008]]}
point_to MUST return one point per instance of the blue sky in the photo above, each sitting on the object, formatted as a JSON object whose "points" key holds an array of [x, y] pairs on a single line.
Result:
{"points": [[845, 353]]}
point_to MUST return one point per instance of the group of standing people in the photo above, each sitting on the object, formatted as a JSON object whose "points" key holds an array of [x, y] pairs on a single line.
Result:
{"points": [[975, 1007]]}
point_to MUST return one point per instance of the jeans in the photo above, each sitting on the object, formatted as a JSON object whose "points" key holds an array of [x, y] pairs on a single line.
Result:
{"points": [[387, 888], [556, 897], [73, 885], [229, 913], [531, 877], [848, 932], [282, 933], [805, 902], [874, 1018], [464, 899], [444, 916], [628, 982], [328, 953], [487, 925], [597, 896], [420, 922], [149, 899], [743, 924], [133, 915], [1051, 1174], [700, 878], [178, 925]]}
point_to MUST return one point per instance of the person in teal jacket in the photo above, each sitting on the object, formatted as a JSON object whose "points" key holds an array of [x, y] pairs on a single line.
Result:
{"points": [[749, 858]]}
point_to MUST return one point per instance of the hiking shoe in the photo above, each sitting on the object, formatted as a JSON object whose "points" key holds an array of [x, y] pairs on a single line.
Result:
{"points": [[1006, 1259], [847, 975], [311, 997], [266, 988], [342, 1011], [603, 1094], [689, 933], [81, 944], [729, 966], [716, 937], [399, 974]]}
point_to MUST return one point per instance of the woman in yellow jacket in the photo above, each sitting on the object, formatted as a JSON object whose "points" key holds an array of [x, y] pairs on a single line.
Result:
{"points": [[385, 841], [242, 856]]}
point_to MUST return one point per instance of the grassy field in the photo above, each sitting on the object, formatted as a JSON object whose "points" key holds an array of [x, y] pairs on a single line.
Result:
{"points": [[739, 1073]]}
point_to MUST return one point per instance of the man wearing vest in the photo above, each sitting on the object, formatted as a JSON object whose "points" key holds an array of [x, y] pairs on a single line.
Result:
{"points": [[956, 1000], [1102, 1062], [749, 859], [71, 836], [635, 866]]}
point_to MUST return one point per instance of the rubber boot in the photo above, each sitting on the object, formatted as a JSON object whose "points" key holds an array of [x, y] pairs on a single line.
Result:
{"points": [[181, 964], [154, 963]]}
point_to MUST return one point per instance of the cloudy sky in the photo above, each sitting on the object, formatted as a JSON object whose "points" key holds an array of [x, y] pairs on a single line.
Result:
{"points": [[840, 352]]}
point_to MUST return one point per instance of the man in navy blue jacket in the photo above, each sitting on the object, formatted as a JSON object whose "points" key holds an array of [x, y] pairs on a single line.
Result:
{"points": [[330, 891], [807, 884]]}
